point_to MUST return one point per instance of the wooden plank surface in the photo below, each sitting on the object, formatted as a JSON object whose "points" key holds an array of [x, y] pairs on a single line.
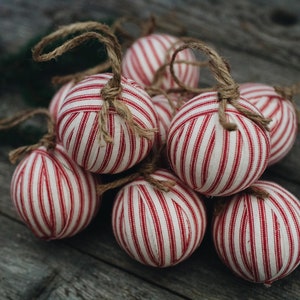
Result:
{"points": [[260, 40]]}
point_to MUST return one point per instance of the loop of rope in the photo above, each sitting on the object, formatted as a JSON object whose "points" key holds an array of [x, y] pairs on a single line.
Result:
{"points": [[228, 89], [48, 140], [113, 88], [145, 170], [63, 32]]}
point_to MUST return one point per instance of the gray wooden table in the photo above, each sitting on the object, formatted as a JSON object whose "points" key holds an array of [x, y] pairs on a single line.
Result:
{"points": [[261, 41]]}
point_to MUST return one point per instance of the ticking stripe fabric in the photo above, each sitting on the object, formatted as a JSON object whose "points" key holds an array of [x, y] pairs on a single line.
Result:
{"points": [[52, 195], [210, 159], [58, 98], [164, 116], [158, 228], [147, 54], [283, 127], [258, 239], [78, 126]]}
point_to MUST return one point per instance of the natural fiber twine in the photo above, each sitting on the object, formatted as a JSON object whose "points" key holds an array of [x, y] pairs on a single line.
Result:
{"points": [[288, 92], [111, 92], [227, 88], [48, 140], [144, 169]]}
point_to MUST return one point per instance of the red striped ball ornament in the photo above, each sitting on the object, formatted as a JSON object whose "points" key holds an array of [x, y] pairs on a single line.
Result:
{"points": [[259, 239], [147, 54], [53, 196], [283, 127], [78, 126], [210, 159], [58, 98], [158, 228]]}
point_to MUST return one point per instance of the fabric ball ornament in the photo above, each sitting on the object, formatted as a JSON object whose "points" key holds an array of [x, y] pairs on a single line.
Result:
{"points": [[210, 159], [283, 127], [147, 54], [164, 115], [79, 132], [259, 239], [53, 195], [58, 98], [158, 228]]}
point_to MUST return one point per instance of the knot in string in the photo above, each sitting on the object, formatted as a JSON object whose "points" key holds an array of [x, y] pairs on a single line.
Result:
{"points": [[288, 92], [228, 92]]}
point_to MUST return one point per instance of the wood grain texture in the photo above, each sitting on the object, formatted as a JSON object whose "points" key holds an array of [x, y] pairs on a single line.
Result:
{"points": [[34, 269], [268, 29]]}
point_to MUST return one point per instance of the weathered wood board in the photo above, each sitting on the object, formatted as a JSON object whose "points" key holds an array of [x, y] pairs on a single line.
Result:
{"points": [[260, 39]]}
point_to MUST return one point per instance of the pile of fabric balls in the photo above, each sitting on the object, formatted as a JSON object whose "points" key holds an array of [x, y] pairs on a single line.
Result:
{"points": [[183, 144]]}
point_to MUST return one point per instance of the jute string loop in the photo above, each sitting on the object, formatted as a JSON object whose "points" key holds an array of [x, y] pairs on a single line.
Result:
{"points": [[48, 140], [161, 71], [61, 33], [144, 169], [227, 88], [111, 92]]}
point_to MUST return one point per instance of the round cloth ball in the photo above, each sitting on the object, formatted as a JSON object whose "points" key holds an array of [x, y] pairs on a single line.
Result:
{"points": [[58, 98], [79, 131], [259, 239], [158, 228], [147, 54], [210, 159], [283, 127], [53, 196]]}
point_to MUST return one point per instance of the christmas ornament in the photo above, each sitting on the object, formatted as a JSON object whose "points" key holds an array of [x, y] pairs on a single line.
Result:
{"points": [[107, 122], [259, 239], [283, 127], [79, 127], [53, 196], [155, 227], [217, 142]]}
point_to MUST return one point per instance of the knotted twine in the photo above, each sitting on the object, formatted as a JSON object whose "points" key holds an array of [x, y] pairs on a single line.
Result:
{"points": [[288, 92], [144, 170], [112, 90], [48, 140], [227, 88]]}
